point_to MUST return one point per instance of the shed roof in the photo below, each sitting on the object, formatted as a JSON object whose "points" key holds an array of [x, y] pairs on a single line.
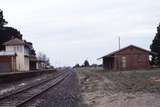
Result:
{"points": [[15, 41], [117, 51], [4, 53]]}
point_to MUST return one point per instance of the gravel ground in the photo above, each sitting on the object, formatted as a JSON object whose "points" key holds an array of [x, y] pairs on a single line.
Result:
{"points": [[117, 89], [66, 94]]}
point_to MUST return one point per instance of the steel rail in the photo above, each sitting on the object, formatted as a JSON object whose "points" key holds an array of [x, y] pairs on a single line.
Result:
{"points": [[20, 90], [43, 91], [20, 98]]}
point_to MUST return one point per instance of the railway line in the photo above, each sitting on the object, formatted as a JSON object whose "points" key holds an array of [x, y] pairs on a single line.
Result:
{"points": [[20, 97]]}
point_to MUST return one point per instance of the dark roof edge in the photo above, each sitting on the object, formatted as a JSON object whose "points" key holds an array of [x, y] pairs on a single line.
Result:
{"points": [[112, 53]]}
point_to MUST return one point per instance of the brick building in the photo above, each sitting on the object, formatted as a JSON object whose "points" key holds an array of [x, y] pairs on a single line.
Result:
{"points": [[128, 58], [17, 56]]}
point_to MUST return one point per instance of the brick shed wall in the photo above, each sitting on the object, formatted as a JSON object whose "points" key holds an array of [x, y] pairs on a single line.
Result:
{"points": [[135, 59]]}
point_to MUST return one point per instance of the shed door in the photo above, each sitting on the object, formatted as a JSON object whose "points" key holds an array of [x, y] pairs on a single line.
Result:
{"points": [[124, 62], [5, 66]]}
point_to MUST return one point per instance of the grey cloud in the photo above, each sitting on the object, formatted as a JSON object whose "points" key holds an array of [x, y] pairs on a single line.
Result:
{"points": [[73, 30]]}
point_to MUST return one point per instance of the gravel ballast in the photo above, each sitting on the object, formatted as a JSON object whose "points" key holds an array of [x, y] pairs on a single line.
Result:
{"points": [[65, 94]]}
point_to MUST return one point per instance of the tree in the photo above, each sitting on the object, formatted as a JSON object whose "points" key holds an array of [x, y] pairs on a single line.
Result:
{"points": [[41, 56], [155, 48], [2, 20], [48, 62], [76, 66], [7, 33], [86, 63]]}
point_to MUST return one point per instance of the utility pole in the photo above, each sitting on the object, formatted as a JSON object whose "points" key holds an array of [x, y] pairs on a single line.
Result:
{"points": [[119, 43], [119, 47]]}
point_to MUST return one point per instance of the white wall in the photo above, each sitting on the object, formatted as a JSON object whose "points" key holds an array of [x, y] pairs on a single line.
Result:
{"points": [[22, 62]]}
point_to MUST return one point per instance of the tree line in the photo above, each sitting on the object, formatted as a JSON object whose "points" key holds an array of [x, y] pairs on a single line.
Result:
{"points": [[155, 48], [7, 33]]}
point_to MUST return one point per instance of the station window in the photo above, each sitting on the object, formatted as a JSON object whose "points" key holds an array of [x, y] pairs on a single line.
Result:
{"points": [[15, 48]]}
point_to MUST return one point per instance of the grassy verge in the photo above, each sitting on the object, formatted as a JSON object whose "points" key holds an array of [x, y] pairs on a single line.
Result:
{"points": [[129, 81]]}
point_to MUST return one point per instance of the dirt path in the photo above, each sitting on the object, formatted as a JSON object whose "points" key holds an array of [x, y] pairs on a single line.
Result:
{"points": [[99, 91]]}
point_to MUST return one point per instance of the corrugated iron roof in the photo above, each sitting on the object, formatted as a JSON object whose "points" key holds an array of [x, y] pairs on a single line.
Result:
{"points": [[114, 52]]}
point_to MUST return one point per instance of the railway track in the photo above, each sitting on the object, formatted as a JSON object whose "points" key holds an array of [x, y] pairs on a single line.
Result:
{"points": [[21, 97], [28, 86]]}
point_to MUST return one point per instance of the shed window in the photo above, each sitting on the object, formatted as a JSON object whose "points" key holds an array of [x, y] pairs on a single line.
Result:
{"points": [[21, 49]]}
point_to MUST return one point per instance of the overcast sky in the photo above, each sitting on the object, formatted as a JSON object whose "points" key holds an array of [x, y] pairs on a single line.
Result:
{"points": [[70, 31]]}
